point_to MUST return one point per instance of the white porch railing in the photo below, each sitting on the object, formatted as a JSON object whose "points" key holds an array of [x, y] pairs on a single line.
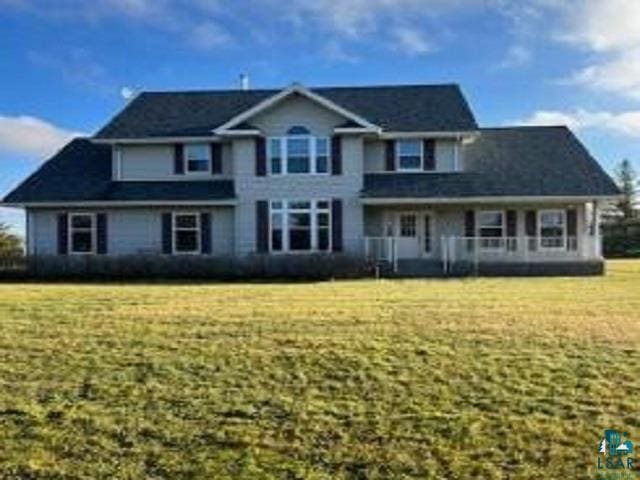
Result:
{"points": [[382, 249], [476, 250]]}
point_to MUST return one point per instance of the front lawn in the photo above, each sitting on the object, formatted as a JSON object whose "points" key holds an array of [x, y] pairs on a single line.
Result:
{"points": [[455, 379]]}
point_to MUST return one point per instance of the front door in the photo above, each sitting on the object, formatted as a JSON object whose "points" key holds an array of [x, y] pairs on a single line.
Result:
{"points": [[413, 231]]}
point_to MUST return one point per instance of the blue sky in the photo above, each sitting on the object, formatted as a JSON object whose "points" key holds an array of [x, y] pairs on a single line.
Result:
{"points": [[519, 62]]}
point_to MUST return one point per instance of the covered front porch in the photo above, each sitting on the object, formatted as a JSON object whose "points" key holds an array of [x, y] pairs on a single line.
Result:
{"points": [[447, 238]]}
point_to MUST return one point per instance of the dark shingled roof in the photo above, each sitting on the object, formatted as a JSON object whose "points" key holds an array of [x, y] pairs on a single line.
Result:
{"points": [[81, 172], [526, 161], [521, 161], [398, 108]]}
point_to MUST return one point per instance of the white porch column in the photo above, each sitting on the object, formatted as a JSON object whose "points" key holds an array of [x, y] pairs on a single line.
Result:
{"points": [[595, 222]]}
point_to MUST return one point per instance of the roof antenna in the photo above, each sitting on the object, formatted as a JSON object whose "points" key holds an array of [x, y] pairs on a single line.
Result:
{"points": [[244, 81]]}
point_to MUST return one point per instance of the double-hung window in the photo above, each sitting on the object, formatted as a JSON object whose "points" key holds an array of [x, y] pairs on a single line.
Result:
{"points": [[552, 229], [82, 233], [409, 155], [186, 233], [197, 158], [298, 153], [491, 227], [300, 226]]}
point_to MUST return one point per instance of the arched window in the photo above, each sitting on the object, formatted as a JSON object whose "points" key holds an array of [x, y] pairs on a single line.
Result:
{"points": [[298, 130], [298, 152]]}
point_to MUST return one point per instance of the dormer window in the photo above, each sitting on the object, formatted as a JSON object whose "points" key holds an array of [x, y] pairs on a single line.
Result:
{"points": [[298, 152], [197, 156], [409, 155]]}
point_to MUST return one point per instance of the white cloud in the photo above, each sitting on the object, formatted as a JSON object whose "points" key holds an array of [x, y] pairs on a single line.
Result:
{"points": [[625, 123], [32, 136], [411, 41], [334, 50], [75, 65], [604, 25], [610, 29], [401, 22], [196, 22], [209, 36], [517, 56], [620, 75]]}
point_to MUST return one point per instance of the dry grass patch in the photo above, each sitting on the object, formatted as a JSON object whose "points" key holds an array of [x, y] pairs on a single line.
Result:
{"points": [[488, 378]]}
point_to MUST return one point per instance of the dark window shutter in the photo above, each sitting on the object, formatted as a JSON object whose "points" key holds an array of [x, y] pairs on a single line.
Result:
{"points": [[205, 233], [531, 224], [262, 226], [101, 231], [167, 233], [390, 155], [429, 153], [63, 234], [531, 228], [336, 225], [261, 157], [336, 155], [469, 223], [512, 230], [572, 228], [216, 158], [178, 159], [512, 223]]}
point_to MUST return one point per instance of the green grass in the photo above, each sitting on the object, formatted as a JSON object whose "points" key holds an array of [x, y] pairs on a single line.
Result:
{"points": [[478, 378]]}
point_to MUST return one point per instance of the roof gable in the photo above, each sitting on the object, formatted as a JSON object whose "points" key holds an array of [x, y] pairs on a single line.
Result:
{"points": [[282, 96]]}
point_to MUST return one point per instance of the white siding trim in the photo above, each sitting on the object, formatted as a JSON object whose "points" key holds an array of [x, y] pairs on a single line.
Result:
{"points": [[466, 200]]}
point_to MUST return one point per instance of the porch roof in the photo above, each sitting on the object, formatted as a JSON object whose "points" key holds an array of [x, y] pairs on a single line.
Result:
{"points": [[506, 162]]}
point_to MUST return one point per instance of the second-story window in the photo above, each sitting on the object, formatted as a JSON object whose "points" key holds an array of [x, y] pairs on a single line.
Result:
{"points": [[409, 155], [197, 157], [298, 152], [298, 155]]}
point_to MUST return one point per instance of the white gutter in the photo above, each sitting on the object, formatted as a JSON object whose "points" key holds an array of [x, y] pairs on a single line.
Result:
{"points": [[356, 130], [390, 135], [141, 203], [153, 140], [494, 199]]}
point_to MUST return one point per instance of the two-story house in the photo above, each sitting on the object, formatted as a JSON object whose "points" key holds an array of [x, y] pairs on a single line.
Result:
{"points": [[401, 174]]}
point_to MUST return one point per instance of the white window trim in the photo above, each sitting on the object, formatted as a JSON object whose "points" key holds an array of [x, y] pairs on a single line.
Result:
{"points": [[284, 155], [174, 233], [398, 155], [93, 230], [503, 228], [562, 212], [313, 211], [197, 173]]}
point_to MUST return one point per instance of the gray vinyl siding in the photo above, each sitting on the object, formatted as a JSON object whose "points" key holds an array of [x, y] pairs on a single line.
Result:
{"points": [[251, 188], [131, 231], [297, 110], [156, 162], [374, 156]]}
